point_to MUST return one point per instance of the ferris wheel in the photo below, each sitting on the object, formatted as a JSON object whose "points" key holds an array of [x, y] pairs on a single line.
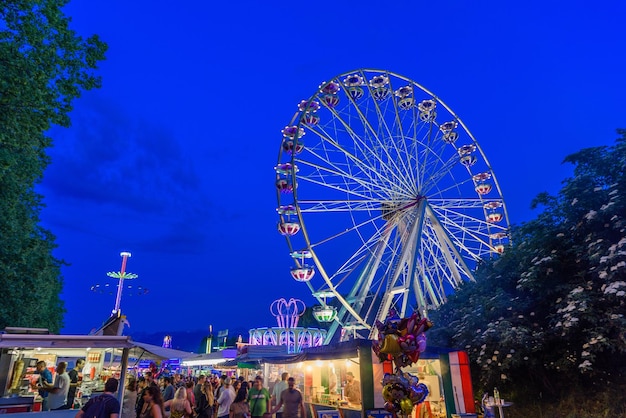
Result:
{"points": [[385, 199]]}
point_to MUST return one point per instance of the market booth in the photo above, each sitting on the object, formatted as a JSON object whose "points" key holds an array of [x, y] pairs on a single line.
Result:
{"points": [[322, 374], [105, 356]]}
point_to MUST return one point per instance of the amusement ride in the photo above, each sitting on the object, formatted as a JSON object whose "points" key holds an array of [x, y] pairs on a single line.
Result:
{"points": [[385, 198]]}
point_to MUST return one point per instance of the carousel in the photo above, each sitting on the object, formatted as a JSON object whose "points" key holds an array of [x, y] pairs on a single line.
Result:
{"points": [[287, 332]]}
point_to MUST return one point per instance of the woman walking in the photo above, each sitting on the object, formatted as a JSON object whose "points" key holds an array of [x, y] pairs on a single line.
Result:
{"points": [[179, 406], [152, 403]]}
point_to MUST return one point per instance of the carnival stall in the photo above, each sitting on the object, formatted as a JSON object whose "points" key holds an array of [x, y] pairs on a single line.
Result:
{"points": [[105, 356], [321, 374]]}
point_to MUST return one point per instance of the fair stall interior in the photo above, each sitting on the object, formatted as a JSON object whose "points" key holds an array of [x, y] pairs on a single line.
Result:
{"points": [[321, 374], [105, 357]]}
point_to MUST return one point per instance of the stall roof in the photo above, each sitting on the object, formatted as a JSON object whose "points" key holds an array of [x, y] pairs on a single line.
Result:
{"points": [[210, 359], [160, 352], [64, 341], [83, 342], [346, 349]]}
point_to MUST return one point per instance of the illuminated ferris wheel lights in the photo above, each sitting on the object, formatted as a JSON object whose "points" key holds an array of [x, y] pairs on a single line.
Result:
{"points": [[448, 127], [468, 160], [284, 185], [286, 168], [292, 131], [302, 274], [483, 188], [292, 146], [286, 210], [331, 100], [494, 217], [309, 107], [288, 228], [330, 87], [324, 313]]}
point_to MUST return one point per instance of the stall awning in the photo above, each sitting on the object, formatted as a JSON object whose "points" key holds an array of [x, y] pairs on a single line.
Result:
{"points": [[162, 353], [64, 341]]}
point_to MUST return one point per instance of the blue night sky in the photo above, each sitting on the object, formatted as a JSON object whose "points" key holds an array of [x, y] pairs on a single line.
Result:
{"points": [[172, 159]]}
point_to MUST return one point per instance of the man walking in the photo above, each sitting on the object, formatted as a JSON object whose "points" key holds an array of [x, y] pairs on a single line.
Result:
{"points": [[225, 400], [292, 400], [278, 389], [258, 398]]}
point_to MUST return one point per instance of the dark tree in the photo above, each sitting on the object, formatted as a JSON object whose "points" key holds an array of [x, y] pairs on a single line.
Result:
{"points": [[44, 66], [549, 316]]}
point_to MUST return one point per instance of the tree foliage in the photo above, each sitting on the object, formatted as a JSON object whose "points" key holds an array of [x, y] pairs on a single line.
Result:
{"points": [[44, 66], [547, 317]]}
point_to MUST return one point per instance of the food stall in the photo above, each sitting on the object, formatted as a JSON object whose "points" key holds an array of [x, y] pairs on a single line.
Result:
{"points": [[322, 375], [105, 356]]}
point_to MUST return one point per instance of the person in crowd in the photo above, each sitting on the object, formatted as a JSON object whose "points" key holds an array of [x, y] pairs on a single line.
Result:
{"points": [[352, 389], [152, 403], [278, 389], [107, 401], [130, 399], [57, 398], [219, 389], [292, 401], [167, 392], [236, 384], [226, 398], [148, 381], [179, 406], [240, 408], [197, 390], [167, 389], [75, 380], [258, 398], [178, 382], [45, 378], [206, 401], [141, 385], [191, 397]]}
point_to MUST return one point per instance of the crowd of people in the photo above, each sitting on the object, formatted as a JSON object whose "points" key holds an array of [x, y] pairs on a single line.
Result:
{"points": [[175, 396], [210, 397]]}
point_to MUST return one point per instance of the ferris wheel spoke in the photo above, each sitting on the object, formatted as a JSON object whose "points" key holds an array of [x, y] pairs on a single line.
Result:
{"points": [[327, 206], [324, 174], [471, 229], [330, 148], [367, 150], [386, 131], [458, 204]]}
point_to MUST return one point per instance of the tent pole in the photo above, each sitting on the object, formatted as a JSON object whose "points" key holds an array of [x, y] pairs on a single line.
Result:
{"points": [[122, 384]]}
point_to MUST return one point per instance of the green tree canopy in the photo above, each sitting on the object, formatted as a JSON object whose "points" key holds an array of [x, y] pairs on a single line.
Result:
{"points": [[548, 315], [44, 66]]}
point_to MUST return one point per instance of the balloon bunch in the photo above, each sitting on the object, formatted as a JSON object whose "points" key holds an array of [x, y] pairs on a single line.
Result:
{"points": [[402, 340], [402, 392]]}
